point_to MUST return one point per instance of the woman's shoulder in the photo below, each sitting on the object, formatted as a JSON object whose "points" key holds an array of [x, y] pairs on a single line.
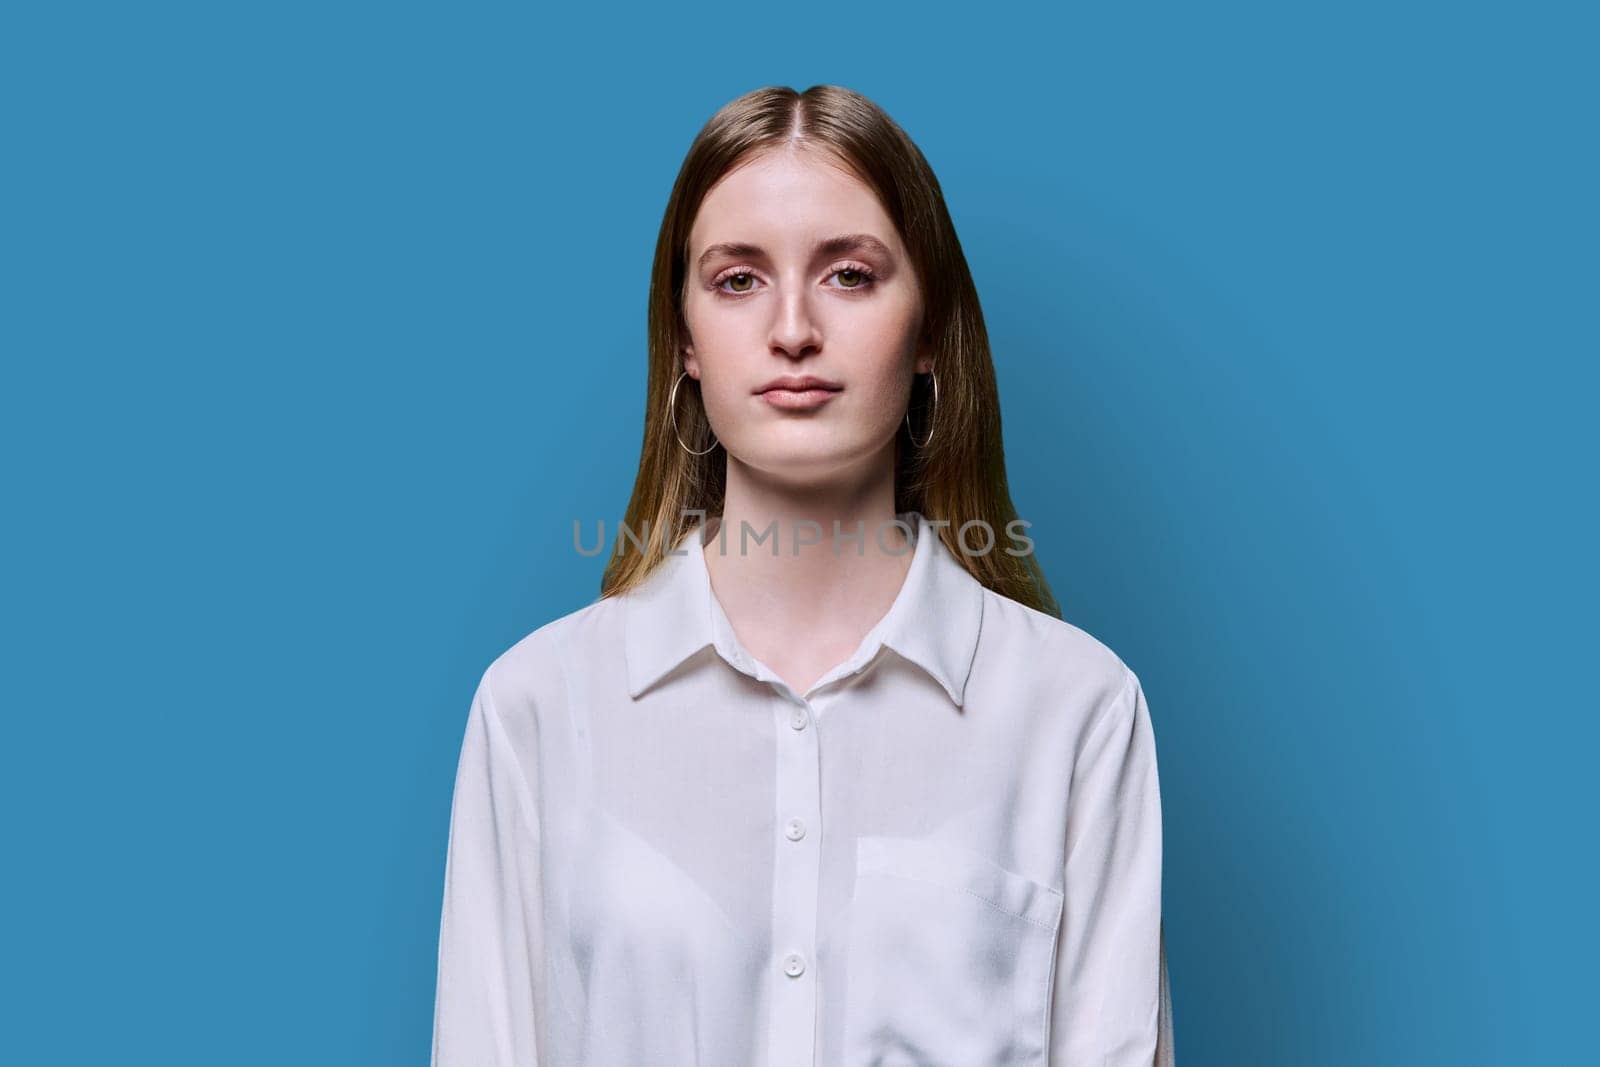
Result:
{"points": [[1054, 652], [540, 659]]}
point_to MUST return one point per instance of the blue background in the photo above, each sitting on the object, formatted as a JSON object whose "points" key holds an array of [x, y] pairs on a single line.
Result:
{"points": [[322, 322]]}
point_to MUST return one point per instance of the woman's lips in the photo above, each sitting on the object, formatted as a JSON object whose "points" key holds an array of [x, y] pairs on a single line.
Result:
{"points": [[798, 399]]}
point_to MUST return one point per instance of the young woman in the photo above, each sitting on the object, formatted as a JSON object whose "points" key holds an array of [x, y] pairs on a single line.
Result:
{"points": [[822, 778]]}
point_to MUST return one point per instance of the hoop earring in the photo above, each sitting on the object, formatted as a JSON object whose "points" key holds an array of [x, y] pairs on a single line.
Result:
{"points": [[924, 442], [672, 417]]}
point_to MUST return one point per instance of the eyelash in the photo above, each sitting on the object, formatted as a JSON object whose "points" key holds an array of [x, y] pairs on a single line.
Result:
{"points": [[868, 279]]}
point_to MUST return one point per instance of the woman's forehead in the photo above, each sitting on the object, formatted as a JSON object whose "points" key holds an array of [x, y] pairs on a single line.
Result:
{"points": [[785, 202]]}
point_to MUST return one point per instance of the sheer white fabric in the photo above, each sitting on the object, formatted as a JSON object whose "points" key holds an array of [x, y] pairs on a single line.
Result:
{"points": [[946, 852]]}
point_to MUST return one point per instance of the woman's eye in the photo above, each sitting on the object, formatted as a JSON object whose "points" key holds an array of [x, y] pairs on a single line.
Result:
{"points": [[853, 277], [741, 282]]}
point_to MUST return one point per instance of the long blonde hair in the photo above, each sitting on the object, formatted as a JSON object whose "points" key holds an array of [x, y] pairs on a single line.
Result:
{"points": [[961, 475]]}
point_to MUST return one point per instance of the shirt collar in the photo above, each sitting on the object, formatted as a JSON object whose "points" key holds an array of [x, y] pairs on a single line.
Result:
{"points": [[933, 622]]}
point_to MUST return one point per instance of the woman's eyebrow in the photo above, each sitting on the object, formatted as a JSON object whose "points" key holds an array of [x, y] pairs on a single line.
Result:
{"points": [[833, 246]]}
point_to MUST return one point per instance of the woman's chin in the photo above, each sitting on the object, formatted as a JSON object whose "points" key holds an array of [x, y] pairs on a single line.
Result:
{"points": [[809, 458]]}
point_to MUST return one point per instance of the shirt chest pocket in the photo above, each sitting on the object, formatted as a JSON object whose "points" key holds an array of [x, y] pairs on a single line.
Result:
{"points": [[950, 959]]}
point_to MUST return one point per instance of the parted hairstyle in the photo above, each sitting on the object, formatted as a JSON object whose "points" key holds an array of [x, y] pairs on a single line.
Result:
{"points": [[960, 476]]}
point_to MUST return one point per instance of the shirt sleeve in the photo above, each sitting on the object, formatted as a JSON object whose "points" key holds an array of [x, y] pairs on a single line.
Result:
{"points": [[1106, 997], [491, 949]]}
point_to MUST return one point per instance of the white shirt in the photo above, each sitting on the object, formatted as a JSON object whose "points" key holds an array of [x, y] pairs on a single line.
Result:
{"points": [[946, 852]]}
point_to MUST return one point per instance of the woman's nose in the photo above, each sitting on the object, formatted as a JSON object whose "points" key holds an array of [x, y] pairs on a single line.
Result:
{"points": [[795, 331]]}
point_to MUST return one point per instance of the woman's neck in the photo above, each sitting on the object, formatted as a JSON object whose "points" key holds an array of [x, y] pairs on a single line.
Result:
{"points": [[799, 598]]}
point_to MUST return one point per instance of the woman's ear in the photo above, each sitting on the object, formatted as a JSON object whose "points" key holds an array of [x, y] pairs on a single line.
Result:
{"points": [[691, 364], [925, 347]]}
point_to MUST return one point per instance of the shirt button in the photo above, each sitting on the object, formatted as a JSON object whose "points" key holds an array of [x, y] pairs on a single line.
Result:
{"points": [[797, 718], [794, 965], [795, 829]]}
